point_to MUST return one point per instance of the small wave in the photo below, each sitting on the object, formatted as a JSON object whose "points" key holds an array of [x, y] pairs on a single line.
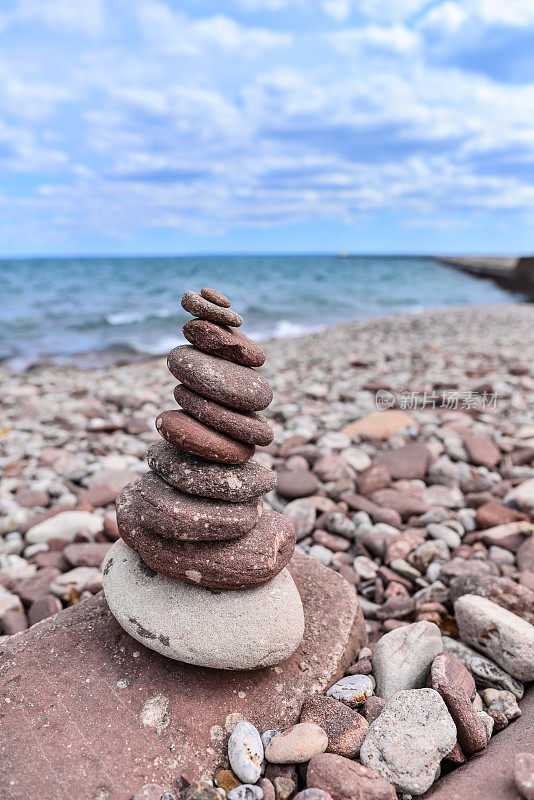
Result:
{"points": [[129, 317], [285, 327]]}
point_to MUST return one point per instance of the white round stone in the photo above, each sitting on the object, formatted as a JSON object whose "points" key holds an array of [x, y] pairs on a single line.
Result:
{"points": [[245, 629]]}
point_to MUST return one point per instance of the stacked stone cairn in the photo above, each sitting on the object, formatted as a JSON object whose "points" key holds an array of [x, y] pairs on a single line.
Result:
{"points": [[199, 574]]}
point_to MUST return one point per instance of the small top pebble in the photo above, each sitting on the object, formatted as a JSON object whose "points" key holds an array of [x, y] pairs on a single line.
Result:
{"points": [[215, 297], [199, 307]]}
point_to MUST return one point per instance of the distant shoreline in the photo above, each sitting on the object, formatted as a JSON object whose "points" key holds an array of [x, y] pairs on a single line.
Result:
{"points": [[96, 361]]}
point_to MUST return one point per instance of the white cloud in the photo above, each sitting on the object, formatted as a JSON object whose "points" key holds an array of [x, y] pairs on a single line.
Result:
{"points": [[396, 38], [175, 32], [206, 123], [64, 16]]}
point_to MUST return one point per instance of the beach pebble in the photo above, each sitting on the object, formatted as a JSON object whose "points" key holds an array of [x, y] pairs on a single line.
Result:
{"points": [[344, 727], [522, 497], [200, 790], [343, 779], [297, 744], [501, 701], [352, 690], [201, 307], [503, 591], [505, 637], [406, 743], [302, 514], [471, 730], [485, 672], [523, 772], [218, 638], [231, 384], [313, 794], [402, 657], [448, 670], [167, 511], [242, 563], [245, 752], [224, 341], [215, 296], [294, 484], [197, 476], [65, 525], [246, 426], [268, 736], [78, 579], [247, 791], [183, 431], [283, 787], [267, 788]]}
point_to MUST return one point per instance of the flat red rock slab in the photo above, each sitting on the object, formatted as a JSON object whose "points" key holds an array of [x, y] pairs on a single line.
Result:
{"points": [[488, 775], [93, 714]]}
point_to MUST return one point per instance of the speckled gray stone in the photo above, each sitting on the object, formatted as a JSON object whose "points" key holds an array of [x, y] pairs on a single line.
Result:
{"points": [[245, 752], [499, 634], [226, 630], [406, 743], [196, 475], [403, 656]]}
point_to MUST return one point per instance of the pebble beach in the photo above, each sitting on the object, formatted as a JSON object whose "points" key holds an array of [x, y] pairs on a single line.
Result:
{"points": [[404, 452]]}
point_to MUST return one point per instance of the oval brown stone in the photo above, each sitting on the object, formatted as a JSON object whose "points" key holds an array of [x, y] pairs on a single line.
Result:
{"points": [[165, 510], [215, 297], [247, 426], [187, 433], [294, 484], [199, 307], [194, 475], [220, 340], [230, 384], [241, 563]]}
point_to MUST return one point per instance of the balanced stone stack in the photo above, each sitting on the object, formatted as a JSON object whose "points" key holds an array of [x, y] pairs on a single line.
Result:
{"points": [[200, 572]]}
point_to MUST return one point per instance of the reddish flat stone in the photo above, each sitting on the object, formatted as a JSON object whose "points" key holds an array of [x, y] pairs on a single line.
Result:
{"points": [[95, 714], [406, 503], [86, 554], [164, 510], [187, 433], [246, 426], [408, 462], [230, 384], [214, 296], [489, 775], [491, 514], [197, 476], [220, 340], [482, 452], [199, 306], [381, 424], [229, 564]]}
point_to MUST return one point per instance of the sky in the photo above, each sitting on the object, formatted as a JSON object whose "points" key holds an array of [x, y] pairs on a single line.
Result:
{"points": [[261, 126]]}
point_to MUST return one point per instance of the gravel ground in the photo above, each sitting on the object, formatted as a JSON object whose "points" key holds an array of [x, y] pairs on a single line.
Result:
{"points": [[429, 535]]}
